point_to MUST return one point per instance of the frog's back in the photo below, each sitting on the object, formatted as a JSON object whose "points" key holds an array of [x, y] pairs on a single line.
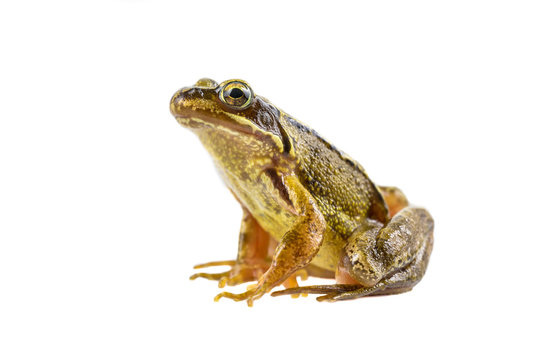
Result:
{"points": [[343, 191]]}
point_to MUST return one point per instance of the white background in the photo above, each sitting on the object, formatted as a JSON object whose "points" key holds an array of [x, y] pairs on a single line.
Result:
{"points": [[106, 202]]}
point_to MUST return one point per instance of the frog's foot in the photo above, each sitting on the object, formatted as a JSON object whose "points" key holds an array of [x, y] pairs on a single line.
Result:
{"points": [[238, 274], [334, 292], [253, 293], [256, 291]]}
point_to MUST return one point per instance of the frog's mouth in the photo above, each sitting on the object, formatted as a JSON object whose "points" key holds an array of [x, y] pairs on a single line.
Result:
{"points": [[198, 121], [193, 122], [198, 110]]}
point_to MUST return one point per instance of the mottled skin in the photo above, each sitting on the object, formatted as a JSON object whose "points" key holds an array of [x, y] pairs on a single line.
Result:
{"points": [[308, 208]]}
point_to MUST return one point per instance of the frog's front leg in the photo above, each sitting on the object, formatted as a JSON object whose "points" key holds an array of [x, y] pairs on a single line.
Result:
{"points": [[380, 260], [298, 246], [252, 258]]}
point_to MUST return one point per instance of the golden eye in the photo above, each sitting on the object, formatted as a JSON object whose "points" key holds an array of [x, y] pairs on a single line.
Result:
{"points": [[236, 94]]}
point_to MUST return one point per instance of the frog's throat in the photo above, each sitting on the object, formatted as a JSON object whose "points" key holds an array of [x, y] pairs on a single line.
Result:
{"points": [[239, 126]]}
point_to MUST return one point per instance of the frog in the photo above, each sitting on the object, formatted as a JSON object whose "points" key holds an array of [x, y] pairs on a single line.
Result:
{"points": [[309, 209]]}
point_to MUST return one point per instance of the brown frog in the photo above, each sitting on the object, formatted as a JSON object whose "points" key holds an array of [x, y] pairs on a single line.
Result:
{"points": [[309, 209]]}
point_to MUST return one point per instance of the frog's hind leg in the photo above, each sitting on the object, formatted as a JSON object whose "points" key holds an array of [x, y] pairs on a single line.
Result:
{"points": [[337, 292], [381, 260], [395, 199], [331, 292]]}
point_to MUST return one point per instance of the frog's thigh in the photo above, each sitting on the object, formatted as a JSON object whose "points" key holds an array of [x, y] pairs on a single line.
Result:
{"points": [[392, 258]]}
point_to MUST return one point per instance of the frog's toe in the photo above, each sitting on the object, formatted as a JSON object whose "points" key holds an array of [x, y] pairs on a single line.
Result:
{"points": [[215, 263], [292, 282], [235, 297], [352, 294], [250, 295], [331, 293], [327, 298], [242, 273], [233, 280], [208, 276], [335, 296], [315, 289], [338, 292], [238, 274]]}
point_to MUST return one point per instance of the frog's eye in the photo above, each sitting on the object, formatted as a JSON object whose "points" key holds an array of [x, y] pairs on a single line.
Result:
{"points": [[236, 94]]}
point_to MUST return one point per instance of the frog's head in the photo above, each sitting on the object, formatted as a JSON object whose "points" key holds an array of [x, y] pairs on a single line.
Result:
{"points": [[230, 108]]}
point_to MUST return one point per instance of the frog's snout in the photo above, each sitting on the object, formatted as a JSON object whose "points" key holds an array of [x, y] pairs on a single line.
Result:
{"points": [[177, 102], [191, 96], [185, 100]]}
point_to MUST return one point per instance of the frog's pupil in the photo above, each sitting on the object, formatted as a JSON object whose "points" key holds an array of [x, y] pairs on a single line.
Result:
{"points": [[236, 93]]}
